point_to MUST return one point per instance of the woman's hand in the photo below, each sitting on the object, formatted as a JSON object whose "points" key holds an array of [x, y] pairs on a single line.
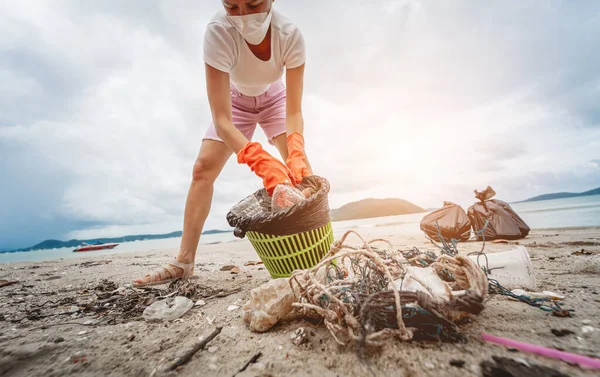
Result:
{"points": [[296, 160], [271, 170]]}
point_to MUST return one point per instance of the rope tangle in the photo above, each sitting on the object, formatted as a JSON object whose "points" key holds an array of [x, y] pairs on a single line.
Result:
{"points": [[353, 290]]}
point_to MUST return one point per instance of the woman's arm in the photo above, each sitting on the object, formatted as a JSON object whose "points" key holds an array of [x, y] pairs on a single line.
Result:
{"points": [[294, 83], [219, 99], [297, 160]]}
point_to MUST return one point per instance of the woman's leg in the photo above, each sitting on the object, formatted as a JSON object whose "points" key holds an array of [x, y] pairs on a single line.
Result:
{"points": [[211, 159]]}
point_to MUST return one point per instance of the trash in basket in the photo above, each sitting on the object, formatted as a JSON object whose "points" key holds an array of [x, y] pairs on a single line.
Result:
{"points": [[296, 237], [285, 196]]}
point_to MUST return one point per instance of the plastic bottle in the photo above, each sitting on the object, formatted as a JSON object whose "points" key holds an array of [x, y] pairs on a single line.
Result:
{"points": [[248, 207], [285, 196]]}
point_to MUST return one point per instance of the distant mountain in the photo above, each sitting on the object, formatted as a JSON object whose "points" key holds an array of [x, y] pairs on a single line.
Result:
{"points": [[368, 208], [561, 195], [55, 244]]}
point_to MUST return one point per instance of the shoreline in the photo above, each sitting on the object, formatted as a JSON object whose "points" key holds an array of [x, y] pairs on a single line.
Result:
{"points": [[357, 228]]}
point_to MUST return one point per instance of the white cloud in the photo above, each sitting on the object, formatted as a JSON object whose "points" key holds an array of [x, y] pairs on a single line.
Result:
{"points": [[402, 99]]}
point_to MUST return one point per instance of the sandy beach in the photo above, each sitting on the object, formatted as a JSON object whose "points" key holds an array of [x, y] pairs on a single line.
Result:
{"points": [[54, 344]]}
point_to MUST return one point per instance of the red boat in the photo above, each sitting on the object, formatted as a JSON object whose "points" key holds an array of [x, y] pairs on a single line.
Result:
{"points": [[94, 247]]}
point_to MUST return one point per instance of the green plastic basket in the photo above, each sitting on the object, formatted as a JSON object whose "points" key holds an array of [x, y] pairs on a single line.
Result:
{"points": [[284, 254]]}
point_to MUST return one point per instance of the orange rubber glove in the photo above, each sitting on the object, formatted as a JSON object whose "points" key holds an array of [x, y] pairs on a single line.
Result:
{"points": [[272, 171], [296, 160]]}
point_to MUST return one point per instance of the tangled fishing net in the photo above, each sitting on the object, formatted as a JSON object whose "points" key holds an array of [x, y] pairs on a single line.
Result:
{"points": [[359, 293]]}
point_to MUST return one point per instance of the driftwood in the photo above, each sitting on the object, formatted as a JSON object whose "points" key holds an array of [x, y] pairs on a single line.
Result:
{"points": [[253, 360], [188, 355]]}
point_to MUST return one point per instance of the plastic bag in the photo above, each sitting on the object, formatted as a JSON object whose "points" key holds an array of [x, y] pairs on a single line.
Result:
{"points": [[502, 221], [268, 304], [452, 220], [308, 214], [486, 194]]}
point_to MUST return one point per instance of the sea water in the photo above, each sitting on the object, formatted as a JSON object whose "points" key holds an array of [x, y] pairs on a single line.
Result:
{"points": [[125, 247], [556, 213]]}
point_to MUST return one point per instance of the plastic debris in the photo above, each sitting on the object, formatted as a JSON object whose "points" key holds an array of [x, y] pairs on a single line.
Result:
{"points": [[450, 222], [543, 351], [424, 280], [286, 196], [587, 329], [494, 219], [544, 294], [268, 304], [120, 291], [512, 269], [168, 309]]}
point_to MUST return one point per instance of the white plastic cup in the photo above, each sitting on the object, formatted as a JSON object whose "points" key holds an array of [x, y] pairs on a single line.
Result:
{"points": [[512, 268], [168, 309]]}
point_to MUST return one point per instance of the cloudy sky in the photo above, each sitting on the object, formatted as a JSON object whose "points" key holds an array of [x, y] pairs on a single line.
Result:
{"points": [[103, 107]]}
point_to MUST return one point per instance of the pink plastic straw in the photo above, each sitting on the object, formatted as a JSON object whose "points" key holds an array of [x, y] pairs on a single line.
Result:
{"points": [[556, 354]]}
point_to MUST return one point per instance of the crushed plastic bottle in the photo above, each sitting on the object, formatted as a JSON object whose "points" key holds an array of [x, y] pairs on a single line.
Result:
{"points": [[168, 309], [285, 196], [248, 207]]}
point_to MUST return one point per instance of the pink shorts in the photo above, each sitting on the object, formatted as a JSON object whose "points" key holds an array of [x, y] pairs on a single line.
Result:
{"points": [[267, 110]]}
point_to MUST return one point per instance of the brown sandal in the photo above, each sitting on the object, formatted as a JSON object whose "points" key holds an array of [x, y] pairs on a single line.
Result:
{"points": [[159, 276]]}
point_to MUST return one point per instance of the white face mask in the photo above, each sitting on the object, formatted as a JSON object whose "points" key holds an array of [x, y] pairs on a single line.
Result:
{"points": [[253, 27]]}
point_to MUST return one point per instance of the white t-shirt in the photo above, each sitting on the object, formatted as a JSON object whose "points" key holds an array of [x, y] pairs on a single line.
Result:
{"points": [[226, 50]]}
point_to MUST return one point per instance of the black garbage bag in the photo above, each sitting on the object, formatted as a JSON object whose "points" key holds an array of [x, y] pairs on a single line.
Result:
{"points": [[502, 221], [254, 213], [452, 220]]}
